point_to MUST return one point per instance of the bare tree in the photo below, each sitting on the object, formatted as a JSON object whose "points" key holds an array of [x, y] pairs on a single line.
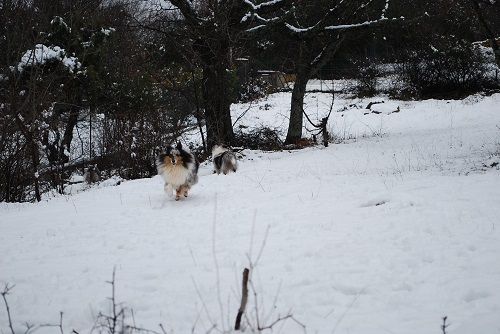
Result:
{"points": [[62, 65], [216, 31], [318, 31]]}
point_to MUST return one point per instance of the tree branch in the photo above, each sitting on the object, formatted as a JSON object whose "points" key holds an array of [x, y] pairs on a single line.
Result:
{"points": [[187, 11]]}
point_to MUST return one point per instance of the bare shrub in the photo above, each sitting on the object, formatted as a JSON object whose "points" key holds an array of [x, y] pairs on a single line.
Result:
{"points": [[367, 76], [264, 138], [456, 69], [253, 89]]}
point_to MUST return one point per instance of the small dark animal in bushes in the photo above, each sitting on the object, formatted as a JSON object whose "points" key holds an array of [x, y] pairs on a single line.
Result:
{"points": [[179, 169], [224, 160]]}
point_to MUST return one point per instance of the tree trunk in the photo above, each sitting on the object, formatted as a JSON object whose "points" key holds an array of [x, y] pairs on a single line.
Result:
{"points": [[34, 154], [68, 133], [216, 91], [296, 109], [35, 161], [198, 114], [308, 65]]}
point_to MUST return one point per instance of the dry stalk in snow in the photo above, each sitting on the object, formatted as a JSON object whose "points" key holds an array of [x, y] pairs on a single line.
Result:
{"points": [[4, 294], [244, 299]]}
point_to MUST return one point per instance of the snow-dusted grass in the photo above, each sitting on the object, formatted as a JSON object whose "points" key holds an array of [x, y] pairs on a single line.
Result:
{"points": [[386, 232]]}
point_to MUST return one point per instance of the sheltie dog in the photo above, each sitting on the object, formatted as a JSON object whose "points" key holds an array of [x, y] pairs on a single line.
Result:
{"points": [[224, 160], [179, 168]]}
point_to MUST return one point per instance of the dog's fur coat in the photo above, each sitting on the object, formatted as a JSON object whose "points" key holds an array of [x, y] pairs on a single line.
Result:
{"points": [[179, 168], [224, 160]]}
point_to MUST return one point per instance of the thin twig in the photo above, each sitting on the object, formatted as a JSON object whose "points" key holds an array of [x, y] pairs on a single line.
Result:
{"points": [[205, 308], [29, 327], [59, 325], [243, 113], [61, 322], [279, 319], [444, 325], [162, 329], [114, 318], [4, 294], [262, 246], [140, 329]]}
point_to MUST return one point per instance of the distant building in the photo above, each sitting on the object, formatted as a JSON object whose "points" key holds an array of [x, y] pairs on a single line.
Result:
{"points": [[276, 79]]}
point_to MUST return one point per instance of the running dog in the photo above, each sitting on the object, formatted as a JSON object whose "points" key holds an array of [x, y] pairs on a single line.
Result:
{"points": [[179, 168], [224, 160]]}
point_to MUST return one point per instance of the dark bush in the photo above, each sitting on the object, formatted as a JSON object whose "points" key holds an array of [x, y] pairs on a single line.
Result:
{"points": [[254, 88], [367, 75], [454, 70], [264, 138]]}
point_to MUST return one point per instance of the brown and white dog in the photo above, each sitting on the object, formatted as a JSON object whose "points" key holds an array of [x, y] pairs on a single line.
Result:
{"points": [[179, 169], [224, 160]]}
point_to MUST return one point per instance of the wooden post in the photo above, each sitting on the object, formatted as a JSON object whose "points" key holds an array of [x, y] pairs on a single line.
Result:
{"points": [[244, 299]]}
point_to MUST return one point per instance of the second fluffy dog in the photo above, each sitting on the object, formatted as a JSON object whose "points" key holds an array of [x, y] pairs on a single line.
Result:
{"points": [[224, 160]]}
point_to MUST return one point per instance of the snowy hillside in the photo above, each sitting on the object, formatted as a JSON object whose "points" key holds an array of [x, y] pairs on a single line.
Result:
{"points": [[386, 232]]}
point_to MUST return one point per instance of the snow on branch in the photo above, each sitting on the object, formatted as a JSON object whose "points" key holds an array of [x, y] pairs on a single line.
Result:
{"points": [[356, 25], [256, 28], [258, 17], [262, 5], [381, 19], [256, 11], [366, 23], [385, 9], [42, 54], [299, 30], [336, 6]]}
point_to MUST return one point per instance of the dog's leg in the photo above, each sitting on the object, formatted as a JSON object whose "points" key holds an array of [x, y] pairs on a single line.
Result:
{"points": [[186, 189], [168, 189], [178, 193]]}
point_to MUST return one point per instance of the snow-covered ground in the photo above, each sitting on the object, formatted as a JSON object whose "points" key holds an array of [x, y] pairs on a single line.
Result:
{"points": [[387, 232]]}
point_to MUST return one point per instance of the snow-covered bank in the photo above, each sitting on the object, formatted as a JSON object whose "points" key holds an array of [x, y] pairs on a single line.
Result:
{"points": [[387, 232]]}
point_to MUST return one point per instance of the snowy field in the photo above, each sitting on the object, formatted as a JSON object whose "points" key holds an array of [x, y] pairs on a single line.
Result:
{"points": [[386, 232]]}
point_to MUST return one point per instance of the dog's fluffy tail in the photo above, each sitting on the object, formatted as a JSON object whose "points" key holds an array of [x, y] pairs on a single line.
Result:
{"points": [[217, 150], [193, 175], [234, 162]]}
